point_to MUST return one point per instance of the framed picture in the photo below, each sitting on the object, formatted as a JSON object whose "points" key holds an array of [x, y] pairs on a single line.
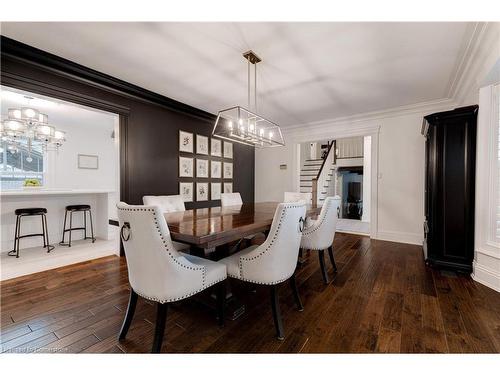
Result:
{"points": [[201, 144], [228, 187], [88, 161], [215, 190], [216, 147], [185, 141], [228, 150], [186, 191], [228, 170], [215, 169], [202, 168], [185, 167], [202, 191]]}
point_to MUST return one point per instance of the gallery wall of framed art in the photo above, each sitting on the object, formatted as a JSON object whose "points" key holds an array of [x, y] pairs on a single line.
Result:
{"points": [[206, 168]]}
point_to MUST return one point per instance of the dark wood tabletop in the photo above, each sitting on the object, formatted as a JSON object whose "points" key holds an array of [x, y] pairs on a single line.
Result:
{"points": [[210, 227]]}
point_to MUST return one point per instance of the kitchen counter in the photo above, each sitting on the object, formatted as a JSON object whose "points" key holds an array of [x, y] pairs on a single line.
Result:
{"points": [[44, 191], [102, 201]]}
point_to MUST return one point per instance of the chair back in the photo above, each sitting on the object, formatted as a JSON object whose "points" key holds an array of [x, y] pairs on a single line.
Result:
{"points": [[320, 235], [167, 203], [230, 199], [276, 259], [156, 270], [296, 197]]}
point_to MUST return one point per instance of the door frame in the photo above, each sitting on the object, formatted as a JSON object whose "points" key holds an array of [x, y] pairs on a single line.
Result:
{"points": [[334, 132]]}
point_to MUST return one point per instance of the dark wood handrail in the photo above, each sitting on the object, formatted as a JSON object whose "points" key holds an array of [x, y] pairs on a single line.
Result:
{"points": [[324, 160]]}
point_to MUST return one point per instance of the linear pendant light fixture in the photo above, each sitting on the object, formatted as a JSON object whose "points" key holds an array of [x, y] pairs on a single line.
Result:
{"points": [[245, 126]]}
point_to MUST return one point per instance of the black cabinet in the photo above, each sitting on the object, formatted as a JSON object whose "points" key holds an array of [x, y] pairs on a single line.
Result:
{"points": [[450, 160]]}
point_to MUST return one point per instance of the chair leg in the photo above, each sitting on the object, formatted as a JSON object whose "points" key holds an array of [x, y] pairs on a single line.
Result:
{"points": [[332, 260], [70, 226], [15, 252], [220, 301], [18, 239], [64, 226], [321, 254], [49, 246], [275, 304], [84, 224], [161, 317], [91, 227], [132, 303], [43, 232], [296, 295]]}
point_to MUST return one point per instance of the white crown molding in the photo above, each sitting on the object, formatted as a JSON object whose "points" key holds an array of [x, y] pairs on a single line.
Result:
{"points": [[469, 47], [429, 106], [481, 55]]}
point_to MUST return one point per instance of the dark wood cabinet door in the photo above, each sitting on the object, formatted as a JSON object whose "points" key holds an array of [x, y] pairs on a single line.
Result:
{"points": [[450, 179]]}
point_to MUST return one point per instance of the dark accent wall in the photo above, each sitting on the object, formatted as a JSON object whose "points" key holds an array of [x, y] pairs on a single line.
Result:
{"points": [[149, 122]]}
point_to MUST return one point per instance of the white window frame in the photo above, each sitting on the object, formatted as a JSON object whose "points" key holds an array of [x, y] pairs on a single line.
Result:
{"points": [[22, 173], [487, 171]]}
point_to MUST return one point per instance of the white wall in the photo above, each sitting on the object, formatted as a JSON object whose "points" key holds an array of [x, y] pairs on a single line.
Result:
{"points": [[90, 139], [399, 188], [271, 182]]}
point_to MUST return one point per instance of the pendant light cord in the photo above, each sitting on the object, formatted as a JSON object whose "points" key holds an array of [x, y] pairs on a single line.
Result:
{"points": [[248, 83], [255, 88]]}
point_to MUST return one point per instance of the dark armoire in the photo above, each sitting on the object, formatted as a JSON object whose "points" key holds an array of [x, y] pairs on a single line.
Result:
{"points": [[450, 161]]}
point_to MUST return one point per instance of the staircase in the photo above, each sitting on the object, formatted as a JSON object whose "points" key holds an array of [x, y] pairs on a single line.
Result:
{"points": [[310, 170]]}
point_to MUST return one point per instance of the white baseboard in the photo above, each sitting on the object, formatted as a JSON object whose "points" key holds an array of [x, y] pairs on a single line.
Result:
{"points": [[486, 276], [403, 237]]}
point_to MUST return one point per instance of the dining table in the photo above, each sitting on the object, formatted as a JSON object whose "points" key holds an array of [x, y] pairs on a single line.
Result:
{"points": [[208, 228]]}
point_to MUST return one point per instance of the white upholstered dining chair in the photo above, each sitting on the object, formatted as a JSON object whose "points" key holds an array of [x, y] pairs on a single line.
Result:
{"points": [[275, 260], [157, 271], [319, 234], [230, 199], [168, 203], [296, 197]]}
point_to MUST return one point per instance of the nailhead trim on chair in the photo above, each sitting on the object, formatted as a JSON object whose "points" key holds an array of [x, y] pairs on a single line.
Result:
{"points": [[317, 226], [203, 269], [260, 282], [181, 297], [240, 277]]}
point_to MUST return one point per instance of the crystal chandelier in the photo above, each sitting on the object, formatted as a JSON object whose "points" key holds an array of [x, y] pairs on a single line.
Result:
{"points": [[28, 126], [244, 126]]}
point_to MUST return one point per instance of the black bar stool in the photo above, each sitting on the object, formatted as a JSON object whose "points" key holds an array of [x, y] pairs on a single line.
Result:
{"points": [[21, 212], [77, 208]]}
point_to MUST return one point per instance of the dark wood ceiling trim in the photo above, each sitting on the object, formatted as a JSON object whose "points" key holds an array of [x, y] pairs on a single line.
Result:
{"points": [[19, 51]]}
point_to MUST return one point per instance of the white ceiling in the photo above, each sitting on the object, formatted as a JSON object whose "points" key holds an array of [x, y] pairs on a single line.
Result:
{"points": [[310, 71]]}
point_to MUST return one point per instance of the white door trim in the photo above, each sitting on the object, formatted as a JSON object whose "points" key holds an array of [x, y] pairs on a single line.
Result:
{"points": [[342, 131]]}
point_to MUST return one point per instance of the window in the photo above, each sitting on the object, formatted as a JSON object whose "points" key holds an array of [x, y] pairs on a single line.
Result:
{"points": [[18, 164]]}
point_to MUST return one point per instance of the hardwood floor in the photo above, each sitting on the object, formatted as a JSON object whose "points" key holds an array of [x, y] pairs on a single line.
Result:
{"points": [[383, 299]]}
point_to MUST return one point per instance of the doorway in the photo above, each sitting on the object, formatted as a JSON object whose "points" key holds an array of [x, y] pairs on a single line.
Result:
{"points": [[353, 179]]}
